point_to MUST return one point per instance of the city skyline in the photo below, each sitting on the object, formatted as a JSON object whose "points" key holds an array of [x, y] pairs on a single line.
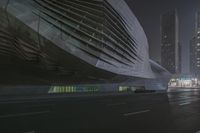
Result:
{"points": [[149, 13]]}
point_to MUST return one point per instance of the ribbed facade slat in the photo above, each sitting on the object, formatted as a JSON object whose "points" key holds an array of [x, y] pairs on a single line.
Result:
{"points": [[95, 24], [74, 40], [17, 48]]}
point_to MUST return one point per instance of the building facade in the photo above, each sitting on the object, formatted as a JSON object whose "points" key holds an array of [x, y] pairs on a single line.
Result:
{"points": [[170, 47], [195, 48], [72, 42]]}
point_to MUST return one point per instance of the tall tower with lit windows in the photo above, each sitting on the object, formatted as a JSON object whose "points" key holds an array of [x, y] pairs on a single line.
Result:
{"points": [[170, 48], [195, 48]]}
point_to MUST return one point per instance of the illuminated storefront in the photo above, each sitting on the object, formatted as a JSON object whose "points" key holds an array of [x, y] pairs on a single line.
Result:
{"points": [[184, 82]]}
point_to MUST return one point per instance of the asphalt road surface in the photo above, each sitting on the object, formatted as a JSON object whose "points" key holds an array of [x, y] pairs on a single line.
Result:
{"points": [[174, 112]]}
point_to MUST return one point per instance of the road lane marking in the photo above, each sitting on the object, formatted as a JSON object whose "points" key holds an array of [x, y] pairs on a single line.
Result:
{"points": [[42, 105], [31, 132], [198, 131], [195, 99], [184, 98], [186, 103], [116, 104], [136, 113], [180, 99], [190, 101], [24, 114]]}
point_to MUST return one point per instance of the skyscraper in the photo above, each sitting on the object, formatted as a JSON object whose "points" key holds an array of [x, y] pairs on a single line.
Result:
{"points": [[170, 48], [195, 48]]}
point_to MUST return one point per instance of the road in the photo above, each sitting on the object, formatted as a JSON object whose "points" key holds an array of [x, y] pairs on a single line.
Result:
{"points": [[174, 112]]}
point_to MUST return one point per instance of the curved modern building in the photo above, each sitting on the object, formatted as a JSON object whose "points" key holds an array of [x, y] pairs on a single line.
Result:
{"points": [[72, 41]]}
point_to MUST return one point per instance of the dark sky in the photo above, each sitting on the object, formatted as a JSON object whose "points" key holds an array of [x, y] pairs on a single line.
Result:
{"points": [[148, 12]]}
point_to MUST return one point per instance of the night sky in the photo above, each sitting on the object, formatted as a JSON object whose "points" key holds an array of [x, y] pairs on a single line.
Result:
{"points": [[148, 12]]}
